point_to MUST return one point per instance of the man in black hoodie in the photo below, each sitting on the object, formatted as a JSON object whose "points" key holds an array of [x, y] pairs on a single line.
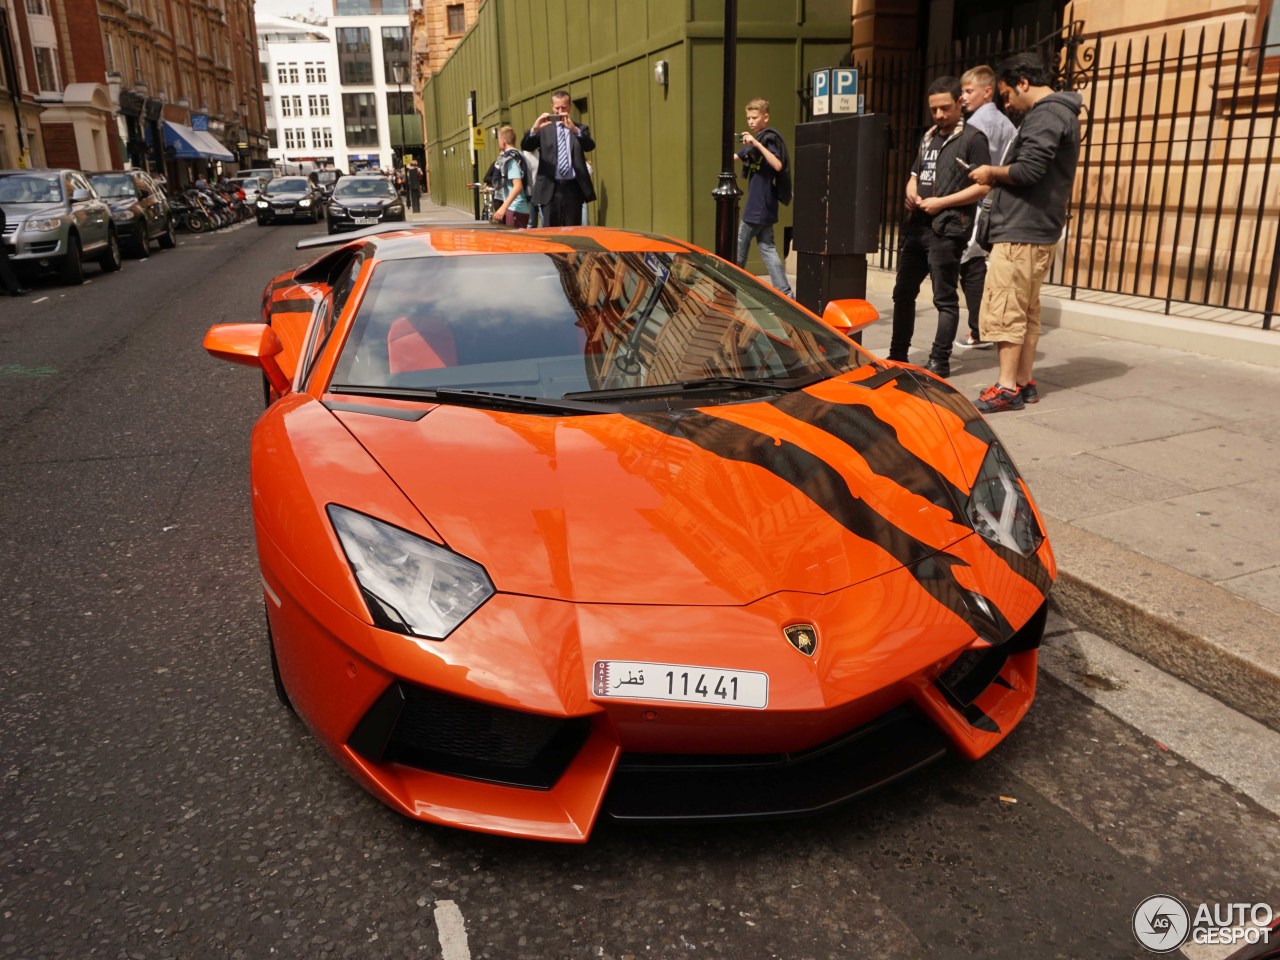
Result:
{"points": [[1028, 213]]}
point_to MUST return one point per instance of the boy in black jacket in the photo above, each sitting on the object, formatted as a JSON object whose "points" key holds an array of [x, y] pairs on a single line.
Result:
{"points": [[941, 202], [765, 165]]}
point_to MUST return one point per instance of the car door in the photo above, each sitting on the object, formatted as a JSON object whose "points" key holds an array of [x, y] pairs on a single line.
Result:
{"points": [[91, 214], [150, 203]]}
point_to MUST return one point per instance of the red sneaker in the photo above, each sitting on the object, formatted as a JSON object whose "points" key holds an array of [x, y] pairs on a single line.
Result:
{"points": [[996, 398]]}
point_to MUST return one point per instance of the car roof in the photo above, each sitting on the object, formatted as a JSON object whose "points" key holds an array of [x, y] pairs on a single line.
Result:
{"points": [[419, 242]]}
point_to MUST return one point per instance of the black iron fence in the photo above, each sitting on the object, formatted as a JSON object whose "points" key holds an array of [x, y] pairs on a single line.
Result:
{"points": [[1175, 200]]}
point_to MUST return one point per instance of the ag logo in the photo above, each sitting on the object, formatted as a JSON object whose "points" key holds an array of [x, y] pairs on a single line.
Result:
{"points": [[802, 636], [1161, 923]]}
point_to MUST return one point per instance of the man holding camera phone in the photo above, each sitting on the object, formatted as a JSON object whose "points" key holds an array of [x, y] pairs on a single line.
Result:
{"points": [[563, 182], [941, 203]]}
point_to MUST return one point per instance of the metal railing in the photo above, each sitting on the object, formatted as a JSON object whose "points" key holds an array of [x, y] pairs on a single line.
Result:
{"points": [[1174, 201]]}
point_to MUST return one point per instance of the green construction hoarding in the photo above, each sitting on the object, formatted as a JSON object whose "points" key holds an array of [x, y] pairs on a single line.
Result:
{"points": [[658, 150]]}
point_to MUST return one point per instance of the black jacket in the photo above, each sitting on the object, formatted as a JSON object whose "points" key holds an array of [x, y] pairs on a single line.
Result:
{"points": [[546, 143], [970, 145]]}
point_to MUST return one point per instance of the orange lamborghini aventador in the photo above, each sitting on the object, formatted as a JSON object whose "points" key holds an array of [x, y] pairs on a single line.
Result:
{"points": [[561, 523]]}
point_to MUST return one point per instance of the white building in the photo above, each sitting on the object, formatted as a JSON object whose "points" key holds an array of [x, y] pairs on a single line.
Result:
{"points": [[301, 94], [330, 85]]}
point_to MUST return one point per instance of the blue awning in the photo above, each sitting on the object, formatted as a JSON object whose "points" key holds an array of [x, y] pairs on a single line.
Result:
{"points": [[191, 144]]}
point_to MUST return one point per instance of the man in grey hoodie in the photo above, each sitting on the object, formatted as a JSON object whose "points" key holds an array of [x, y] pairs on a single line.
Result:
{"points": [[1027, 215]]}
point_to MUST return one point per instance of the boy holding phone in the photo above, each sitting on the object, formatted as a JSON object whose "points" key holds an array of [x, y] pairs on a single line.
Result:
{"points": [[941, 202]]}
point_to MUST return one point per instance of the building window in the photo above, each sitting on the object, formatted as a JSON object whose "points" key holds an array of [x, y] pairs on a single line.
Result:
{"points": [[266, 71], [293, 73], [316, 72], [395, 53], [399, 104], [266, 106], [321, 137], [457, 18], [109, 49], [318, 104], [38, 8], [47, 69], [355, 61], [360, 113]]}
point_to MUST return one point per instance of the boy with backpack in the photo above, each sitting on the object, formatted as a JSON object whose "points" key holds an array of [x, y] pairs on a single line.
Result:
{"points": [[768, 173], [511, 183]]}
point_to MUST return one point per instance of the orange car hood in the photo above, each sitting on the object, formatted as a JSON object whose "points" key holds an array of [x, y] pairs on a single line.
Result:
{"points": [[718, 505]]}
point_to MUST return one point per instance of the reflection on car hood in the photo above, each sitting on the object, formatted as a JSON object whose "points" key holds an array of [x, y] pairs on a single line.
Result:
{"points": [[809, 492], [23, 211], [285, 195]]}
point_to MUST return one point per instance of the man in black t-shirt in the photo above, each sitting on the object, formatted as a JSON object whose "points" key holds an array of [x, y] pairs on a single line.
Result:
{"points": [[941, 202]]}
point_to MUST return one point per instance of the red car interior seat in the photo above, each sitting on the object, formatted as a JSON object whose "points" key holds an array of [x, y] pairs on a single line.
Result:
{"points": [[424, 343]]}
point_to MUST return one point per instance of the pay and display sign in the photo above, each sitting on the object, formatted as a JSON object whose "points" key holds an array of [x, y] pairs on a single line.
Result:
{"points": [[820, 105], [844, 90]]}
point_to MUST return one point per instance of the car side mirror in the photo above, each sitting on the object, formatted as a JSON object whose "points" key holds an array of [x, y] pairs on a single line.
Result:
{"points": [[250, 344], [80, 194], [849, 316]]}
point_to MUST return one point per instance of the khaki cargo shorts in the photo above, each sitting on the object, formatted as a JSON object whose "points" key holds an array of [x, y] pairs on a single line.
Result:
{"points": [[1011, 297]]}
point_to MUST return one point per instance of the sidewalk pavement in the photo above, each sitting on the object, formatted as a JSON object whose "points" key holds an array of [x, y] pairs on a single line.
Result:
{"points": [[1153, 455]]}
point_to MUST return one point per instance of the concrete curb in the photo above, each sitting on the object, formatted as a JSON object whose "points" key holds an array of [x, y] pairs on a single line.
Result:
{"points": [[1199, 632]]}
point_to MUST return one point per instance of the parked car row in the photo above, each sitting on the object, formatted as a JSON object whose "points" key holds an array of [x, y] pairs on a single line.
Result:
{"points": [[54, 221]]}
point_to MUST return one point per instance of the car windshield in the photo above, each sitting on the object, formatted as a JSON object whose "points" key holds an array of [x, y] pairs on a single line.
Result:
{"points": [[327, 176], [364, 187], [288, 185], [114, 185], [31, 188], [551, 325]]}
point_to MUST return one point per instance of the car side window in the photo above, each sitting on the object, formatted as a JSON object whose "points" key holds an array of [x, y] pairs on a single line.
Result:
{"points": [[329, 311]]}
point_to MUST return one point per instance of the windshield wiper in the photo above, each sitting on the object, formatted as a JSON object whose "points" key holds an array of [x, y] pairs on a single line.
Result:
{"points": [[475, 398], [703, 383]]}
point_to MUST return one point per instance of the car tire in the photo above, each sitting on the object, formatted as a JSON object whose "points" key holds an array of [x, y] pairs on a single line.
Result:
{"points": [[139, 246], [168, 239], [72, 270], [263, 222], [111, 261], [332, 229], [281, 693]]}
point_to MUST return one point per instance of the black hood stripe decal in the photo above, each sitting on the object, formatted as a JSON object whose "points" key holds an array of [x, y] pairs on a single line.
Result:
{"points": [[943, 395], [825, 486], [877, 442]]}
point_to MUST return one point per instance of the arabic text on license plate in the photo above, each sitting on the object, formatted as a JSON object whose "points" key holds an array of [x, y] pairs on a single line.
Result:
{"points": [[634, 680], [364, 220]]}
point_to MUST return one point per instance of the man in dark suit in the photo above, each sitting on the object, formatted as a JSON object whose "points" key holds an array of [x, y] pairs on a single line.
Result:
{"points": [[563, 183]]}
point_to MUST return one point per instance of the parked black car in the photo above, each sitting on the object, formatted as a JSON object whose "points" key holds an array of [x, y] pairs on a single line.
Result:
{"points": [[289, 198], [139, 208], [363, 201]]}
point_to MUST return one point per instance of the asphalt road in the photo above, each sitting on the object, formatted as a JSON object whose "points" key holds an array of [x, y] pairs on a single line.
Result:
{"points": [[156, 801]]}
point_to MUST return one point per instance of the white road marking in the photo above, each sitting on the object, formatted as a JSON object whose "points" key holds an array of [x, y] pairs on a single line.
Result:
{"points": [[453, 931], [41, 300]]}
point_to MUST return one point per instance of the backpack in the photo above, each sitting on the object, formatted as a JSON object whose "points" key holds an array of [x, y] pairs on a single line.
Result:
{"points": [[781, 179], [496, 176]]}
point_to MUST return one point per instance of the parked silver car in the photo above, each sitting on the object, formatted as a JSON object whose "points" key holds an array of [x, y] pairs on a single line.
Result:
{"points": [[54, 220]]}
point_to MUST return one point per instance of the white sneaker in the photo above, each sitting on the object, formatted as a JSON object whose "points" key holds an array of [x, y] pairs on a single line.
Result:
{"points": [[973, 343]]}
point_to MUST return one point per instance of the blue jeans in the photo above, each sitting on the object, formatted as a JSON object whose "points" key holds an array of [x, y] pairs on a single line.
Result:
{"points": [[763, 234]]}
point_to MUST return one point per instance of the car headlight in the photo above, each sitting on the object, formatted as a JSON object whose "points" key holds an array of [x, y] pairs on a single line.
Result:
{"points": [[999, 508], [304, 203], [263, 203], [43, 226], [122, 215], [411, 585], [335, 207], [396, 208]]}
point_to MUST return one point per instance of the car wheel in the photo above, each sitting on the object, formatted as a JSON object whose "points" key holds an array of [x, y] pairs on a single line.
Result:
{"points": [[110, 261], [72, 269], [168, 240], [262, 222], [281, 692], [332, 229]]}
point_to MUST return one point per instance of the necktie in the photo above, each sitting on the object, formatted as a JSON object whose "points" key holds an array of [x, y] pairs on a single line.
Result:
{"points": [[564, 159]]}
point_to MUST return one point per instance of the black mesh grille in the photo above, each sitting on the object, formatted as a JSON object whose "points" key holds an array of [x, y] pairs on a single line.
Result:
{"points": [[430, 730]]}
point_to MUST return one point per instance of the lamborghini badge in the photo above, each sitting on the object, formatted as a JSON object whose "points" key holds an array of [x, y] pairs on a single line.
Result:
{"points": [[802, 636]]}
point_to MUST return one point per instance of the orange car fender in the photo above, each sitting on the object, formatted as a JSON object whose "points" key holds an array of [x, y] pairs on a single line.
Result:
{"points": [[301, 460]]}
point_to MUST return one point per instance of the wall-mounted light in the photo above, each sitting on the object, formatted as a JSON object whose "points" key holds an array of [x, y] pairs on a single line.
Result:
{"points": [[660, 73]]}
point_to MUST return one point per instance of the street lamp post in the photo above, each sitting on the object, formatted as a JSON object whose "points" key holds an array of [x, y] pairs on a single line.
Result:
{"points": [[397, 70], [728, 191]]}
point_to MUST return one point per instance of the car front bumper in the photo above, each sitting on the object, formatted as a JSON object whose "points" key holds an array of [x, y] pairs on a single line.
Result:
{"points": [[498, 728]]}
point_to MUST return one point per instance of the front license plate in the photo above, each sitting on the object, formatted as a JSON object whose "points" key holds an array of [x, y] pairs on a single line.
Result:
{"points": [[366, 220], [636, 680]]}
